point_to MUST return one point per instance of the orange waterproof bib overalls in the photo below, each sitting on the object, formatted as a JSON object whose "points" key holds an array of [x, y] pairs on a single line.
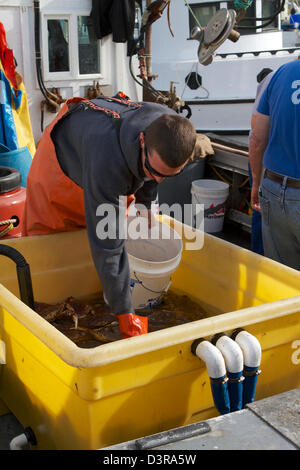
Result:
{"points": [[54, 203]]}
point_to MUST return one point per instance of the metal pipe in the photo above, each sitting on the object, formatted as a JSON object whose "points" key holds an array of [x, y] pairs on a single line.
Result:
{"points": [[233, 357], [23, 441], [216, 370], [23, 273], [19, 442], [252, 358]]}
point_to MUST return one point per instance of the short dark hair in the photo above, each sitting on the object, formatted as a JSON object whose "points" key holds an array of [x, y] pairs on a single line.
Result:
{"points": [[262, 74], [173, 137]]}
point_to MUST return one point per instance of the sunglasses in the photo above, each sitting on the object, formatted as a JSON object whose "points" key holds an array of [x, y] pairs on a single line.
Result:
{"points": [[155, 172]]}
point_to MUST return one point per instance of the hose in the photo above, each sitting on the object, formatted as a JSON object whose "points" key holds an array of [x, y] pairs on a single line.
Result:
{"points": [[252, 358], [232, 364], [246, 180], [137, 50], [233, 357], [19, 442], [50, 98], [216, 370], [23, 273], [38, 57], [22, 441]]}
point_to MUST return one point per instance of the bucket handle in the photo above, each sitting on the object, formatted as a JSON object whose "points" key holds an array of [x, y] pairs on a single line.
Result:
{"points": [[150, 290]]}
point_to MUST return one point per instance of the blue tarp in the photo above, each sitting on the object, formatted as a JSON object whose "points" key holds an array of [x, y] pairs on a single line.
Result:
{"points": [[8, 97]]}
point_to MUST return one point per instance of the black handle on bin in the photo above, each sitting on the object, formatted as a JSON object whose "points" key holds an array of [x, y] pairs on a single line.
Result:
{"points": [[174, 435], [23, 273]]}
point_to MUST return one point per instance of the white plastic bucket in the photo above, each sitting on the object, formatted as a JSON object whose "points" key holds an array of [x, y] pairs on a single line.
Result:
{"points": [[211, 193], [153, 257]]}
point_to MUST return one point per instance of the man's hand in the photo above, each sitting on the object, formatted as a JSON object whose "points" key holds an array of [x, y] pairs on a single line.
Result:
{"points": [[203, 147], [257, 145], [255, 199], [147, 213]]}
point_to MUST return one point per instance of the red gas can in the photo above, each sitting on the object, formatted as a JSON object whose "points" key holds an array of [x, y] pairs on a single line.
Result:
{"points": [[12, 201]]}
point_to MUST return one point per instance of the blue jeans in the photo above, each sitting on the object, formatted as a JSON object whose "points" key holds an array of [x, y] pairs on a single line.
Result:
{"points": [[280, 210]]}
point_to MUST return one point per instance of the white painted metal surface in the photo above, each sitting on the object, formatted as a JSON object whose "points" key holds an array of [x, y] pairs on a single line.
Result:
{"points": [[18, 20], [231, 78]]}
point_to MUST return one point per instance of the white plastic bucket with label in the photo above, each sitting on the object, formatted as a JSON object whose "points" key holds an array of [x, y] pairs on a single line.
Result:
{"points": [[153, 257], [210, 193]]}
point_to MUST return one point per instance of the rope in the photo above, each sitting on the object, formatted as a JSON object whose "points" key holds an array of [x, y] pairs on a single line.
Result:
{"points": [[199, 85], [193, 14], [226, 181], [6, 230], [241, 4], [8, 222], [88, 104], [219, 175]]}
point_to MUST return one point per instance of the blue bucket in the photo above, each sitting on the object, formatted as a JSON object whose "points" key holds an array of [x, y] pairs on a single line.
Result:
{"points": [[20, 159]]}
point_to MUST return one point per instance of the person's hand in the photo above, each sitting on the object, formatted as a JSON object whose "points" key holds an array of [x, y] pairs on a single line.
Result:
{"points": [[152, 222], [254, 198], [132, 325], [203, 147]]}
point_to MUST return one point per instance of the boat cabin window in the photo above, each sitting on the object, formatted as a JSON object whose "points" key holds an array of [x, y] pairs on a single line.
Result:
{"points": [[259, 8], [88, 50], [203, 12], [58, 45], [268, 9], [250, 13], [70, 47]]}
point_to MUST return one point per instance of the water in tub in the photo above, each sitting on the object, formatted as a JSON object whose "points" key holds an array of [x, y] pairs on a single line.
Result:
{"points": [[88, 322]]}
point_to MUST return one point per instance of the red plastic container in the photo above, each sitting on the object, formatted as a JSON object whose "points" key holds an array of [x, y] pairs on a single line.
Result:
{"points": [[12, 201]]}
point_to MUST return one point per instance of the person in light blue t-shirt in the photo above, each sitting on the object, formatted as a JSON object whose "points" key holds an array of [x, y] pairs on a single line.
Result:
{"points": [[274, 152]]}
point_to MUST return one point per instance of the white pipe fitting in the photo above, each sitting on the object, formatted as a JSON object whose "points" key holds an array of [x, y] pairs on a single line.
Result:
{"points": [[250, 347], [19, 442], [213, 359], [232, 354]]}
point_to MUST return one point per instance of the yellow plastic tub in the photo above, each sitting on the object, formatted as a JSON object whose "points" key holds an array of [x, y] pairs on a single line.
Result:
{"points": [[76, 398]]}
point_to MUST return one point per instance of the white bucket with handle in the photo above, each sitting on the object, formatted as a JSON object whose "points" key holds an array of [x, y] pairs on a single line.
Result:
{"points": [[213, 195], [153, 257]]}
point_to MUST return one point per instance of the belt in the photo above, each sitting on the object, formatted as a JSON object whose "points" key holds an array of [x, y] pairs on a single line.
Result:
{"points": [[291, 182]]}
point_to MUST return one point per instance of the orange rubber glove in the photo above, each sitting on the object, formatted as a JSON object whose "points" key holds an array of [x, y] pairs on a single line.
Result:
{"points": [[132, 325]]}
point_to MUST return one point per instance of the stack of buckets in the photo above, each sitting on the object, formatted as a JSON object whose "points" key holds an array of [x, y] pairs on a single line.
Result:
{"points": [[153, 257], [210, 193]]}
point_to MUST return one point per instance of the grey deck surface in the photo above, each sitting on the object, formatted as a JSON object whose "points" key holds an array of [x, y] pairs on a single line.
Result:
{"points": [[269, 424]]}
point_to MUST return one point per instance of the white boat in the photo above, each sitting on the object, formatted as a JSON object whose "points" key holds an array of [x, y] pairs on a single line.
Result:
{"points": [[220, 95]]}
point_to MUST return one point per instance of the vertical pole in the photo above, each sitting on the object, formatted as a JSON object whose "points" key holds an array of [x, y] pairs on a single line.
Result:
{"points": [[148, 49]]}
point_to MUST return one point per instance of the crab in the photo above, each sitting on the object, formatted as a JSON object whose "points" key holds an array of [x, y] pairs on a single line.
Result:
{"points": [[70, 308]]}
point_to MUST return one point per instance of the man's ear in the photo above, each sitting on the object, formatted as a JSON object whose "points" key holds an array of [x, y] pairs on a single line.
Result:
{"points": [[142, 138]]}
